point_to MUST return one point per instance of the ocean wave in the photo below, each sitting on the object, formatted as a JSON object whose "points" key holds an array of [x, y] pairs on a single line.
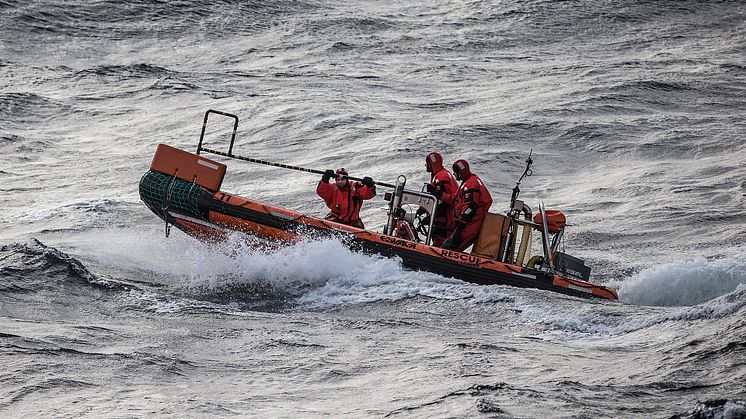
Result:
{"points": [[306, 275], [23, 146], [91, 206], [26, 108], [174, 84], [348, 25], [139, 70], [643, 85], [10, 139], [632, 108], [170, 303], [615, 321], [46, 386], [32, 265], [119, 21], [717, 409], [684, 283]]}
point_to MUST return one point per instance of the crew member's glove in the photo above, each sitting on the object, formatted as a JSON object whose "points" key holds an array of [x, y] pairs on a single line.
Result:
{"points": [[432, 190], [367, 181], [327, 175]]}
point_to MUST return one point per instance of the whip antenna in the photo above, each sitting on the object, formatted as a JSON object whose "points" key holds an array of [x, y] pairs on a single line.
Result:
{"points": [[527, 172]]}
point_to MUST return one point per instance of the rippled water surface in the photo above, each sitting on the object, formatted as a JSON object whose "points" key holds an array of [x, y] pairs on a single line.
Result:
{"points": [[635, 114]]}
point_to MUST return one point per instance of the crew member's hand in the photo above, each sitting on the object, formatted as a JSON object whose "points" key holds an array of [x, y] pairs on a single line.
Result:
{"points": [[432, 190], [328, 174], [367, 181]]}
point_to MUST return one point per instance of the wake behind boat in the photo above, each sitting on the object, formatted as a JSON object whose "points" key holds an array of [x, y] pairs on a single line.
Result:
{"points": [[183, 189]]}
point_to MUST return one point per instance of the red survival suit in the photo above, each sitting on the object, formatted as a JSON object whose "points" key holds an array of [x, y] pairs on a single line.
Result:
{"points": [[471, 203], [345, 200], [444, 186]]}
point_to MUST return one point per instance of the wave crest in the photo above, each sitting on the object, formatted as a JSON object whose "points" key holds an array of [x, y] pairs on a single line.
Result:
{"points": [[30, 266], [684, 283]]}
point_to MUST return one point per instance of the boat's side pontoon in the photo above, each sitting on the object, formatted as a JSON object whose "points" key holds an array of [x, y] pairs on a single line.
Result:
{"points": [[183, 189]]}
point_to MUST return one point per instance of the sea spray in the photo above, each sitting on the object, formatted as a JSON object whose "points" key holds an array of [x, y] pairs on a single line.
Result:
{"points": [[684, 283], [317, 273]]}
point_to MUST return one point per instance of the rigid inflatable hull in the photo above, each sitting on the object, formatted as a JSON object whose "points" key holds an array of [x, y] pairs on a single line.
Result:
{"points": [[211, 216]]}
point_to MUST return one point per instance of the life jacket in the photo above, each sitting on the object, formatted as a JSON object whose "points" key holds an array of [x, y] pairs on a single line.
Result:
{"points": [[345, 203]]}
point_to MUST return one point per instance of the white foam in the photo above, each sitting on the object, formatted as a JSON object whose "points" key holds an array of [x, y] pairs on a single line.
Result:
{"points": [[732, 409], [132, 250], [34, 245], [320, 273], [386, 280], [684, 283], [606, 321]]}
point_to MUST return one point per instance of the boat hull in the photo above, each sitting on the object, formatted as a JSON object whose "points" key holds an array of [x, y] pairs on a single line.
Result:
{"points": [[212, 216]]}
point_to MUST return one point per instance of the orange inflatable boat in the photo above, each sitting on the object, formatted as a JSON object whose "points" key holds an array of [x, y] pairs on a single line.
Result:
{"points": [[183, 189]]}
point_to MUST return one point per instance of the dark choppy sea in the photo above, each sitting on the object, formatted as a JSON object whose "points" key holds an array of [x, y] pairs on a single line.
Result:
{"points": [[636, 114]]}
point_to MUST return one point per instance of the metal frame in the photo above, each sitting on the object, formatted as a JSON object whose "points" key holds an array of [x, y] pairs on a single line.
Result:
{"points": [[431, 210], [204, 127]]}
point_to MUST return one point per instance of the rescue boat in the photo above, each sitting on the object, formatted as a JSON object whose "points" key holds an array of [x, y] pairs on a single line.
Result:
{"points": [[184, 190]]}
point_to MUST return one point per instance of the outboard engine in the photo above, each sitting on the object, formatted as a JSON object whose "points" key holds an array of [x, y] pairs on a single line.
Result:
{"points": [[552, 224], [572, 266]]}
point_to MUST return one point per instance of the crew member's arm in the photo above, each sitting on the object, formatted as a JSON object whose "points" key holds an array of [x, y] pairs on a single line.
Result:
{"points": [[471, 199], [439, 189], [444, 195], [325, 190], [368, 189]]}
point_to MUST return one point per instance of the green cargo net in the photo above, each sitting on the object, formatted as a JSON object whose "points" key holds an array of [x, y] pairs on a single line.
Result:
{"points": [[166, 193]]}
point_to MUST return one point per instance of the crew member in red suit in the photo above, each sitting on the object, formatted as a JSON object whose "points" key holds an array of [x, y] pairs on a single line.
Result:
{"points": [[444, 187], [345, 198], [471, 203]]}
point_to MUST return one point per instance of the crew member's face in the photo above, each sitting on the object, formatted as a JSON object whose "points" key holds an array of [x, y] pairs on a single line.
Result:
{"points": [[457, 174], [428, 167], [341, 180]]}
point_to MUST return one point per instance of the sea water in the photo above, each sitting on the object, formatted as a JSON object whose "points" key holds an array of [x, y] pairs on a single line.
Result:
{"points": [[634, 111]]}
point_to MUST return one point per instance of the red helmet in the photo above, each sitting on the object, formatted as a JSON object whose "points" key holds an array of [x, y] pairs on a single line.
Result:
{"points": [[434, 162], [342, 171], [462, 168]]}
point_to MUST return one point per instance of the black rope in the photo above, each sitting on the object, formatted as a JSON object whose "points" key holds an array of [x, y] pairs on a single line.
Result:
{"points": [[284, 166]]}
